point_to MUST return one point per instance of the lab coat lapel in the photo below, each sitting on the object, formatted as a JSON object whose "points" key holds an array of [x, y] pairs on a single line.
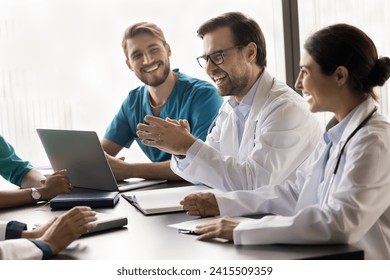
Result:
{"points": [[229, 141], [362, 111], [309, 194], [359, 115], [250, 131]]}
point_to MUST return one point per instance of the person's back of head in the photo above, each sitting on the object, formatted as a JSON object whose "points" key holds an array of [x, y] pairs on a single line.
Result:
{"points": [[348, 46], [244, 29], [142, 28]]}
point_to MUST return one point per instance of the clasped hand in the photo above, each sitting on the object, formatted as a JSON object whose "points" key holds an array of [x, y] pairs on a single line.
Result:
{"points": [[171, 136]]}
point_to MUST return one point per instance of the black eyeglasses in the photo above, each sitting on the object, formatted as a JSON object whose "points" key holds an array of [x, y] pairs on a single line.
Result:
{"points": [[217, 57]]}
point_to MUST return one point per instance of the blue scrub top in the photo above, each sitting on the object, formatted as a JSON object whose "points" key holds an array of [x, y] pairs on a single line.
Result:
{"points": [[192, 99], [12, 168]]}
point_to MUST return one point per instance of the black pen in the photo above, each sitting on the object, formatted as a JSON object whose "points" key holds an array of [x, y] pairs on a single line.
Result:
{"points": [[187, 231]]}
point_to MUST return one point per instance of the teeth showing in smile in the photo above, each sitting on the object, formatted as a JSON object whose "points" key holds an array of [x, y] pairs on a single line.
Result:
{"points": [[219, 79], [306, 96], [151, 68]]}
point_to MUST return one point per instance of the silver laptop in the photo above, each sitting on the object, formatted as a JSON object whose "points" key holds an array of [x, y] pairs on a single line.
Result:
{"points": [[81, 154]]}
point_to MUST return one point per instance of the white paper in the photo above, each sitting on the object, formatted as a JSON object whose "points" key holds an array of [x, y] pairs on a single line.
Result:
{"points": [[192, 224]]}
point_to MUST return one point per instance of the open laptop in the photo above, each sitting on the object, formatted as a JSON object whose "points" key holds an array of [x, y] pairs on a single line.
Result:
{"points": [[81, 154]]}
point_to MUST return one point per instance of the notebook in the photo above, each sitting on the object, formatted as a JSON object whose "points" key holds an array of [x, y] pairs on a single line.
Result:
{"points": [[81, 154], [92, 199], [106, 222], [159, 201]]}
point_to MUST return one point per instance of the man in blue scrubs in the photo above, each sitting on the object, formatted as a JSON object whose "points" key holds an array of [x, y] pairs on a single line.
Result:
{"points": [[166, 93]]}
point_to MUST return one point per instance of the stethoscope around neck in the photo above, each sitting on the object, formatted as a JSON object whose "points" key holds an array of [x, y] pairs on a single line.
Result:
{"points": [[363, 123]]}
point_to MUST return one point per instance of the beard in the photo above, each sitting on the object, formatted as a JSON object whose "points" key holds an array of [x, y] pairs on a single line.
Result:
{"points": [[234, 86], [155, 79]]}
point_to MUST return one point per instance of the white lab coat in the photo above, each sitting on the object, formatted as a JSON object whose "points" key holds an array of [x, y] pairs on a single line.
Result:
{"points": [[17, 249], [353, 209], [279, 134]]}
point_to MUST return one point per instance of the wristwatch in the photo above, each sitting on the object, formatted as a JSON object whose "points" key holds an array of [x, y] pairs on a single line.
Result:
{"points": [[36, 195]]}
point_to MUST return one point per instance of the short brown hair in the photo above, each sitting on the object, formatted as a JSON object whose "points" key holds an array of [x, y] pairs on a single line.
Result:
{"points": [[245, 30], [142, 28]]}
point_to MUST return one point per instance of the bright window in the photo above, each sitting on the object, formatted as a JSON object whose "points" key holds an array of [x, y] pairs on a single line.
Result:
{"points": [[62, 66], [372, 16]]}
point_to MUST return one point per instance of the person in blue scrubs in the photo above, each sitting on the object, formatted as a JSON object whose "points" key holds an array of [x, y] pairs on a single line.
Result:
{"points": [[34, 186], [166, 94]]}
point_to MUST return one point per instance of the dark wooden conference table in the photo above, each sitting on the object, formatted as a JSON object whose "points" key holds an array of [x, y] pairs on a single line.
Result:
{"points": [[150, 238]]}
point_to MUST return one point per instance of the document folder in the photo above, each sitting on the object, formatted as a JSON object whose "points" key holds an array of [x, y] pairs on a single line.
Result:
{"points": [[92, 199], [104, 222], [159, 201]]}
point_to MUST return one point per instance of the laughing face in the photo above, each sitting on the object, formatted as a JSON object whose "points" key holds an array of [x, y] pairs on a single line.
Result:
{"points": [[232, 76], [148, 58], [320, 90]]}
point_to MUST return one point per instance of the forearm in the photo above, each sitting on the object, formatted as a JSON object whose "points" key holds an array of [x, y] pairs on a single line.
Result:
{"points": [[19, 249], [275, 199], [216, 170], [152, 171], [312, 225], [15, 198], [32, 179], [110, 147], [17, 236]]}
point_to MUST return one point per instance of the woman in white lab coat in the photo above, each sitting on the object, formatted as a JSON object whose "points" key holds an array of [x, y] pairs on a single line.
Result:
{"points": [[342, 191]]}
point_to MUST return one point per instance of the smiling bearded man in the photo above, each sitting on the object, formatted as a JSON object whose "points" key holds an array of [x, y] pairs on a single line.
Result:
{"points": [[166, 94]]}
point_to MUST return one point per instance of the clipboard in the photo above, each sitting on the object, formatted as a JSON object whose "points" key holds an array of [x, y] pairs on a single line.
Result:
{"points": [[163, 201]]}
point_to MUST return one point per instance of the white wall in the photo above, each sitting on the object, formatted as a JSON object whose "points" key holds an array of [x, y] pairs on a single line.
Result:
{"points": [[372, 16]]}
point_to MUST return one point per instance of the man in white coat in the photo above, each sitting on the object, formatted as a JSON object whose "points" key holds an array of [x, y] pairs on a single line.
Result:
{"points": [[263, 132], [342, 191]]}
